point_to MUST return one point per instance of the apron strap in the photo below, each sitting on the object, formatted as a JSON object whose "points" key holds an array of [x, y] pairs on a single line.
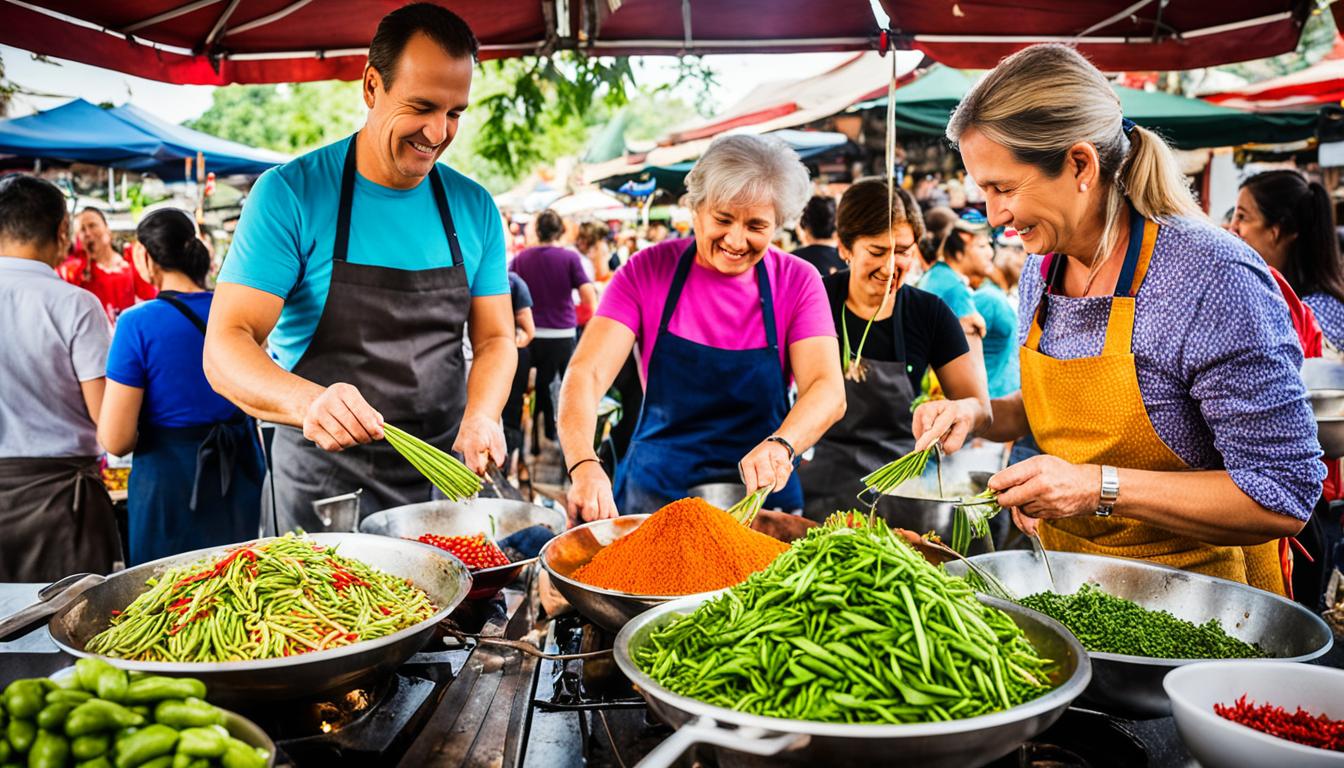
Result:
{"points": [[767, 306], [181, 306], [341, 248], [674, 290]]}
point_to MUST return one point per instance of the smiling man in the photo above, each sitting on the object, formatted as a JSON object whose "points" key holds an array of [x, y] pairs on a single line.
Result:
{"points": [[359, 264]]}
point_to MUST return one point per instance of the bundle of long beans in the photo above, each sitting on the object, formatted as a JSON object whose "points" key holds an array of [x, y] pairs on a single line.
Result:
{"points": [[272, 598], [849, 625], [971, 519], [887, 477], [439, 467], [745, 511]]}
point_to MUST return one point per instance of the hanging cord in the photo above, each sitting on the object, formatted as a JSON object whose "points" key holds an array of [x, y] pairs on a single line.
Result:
{"points": [[854, 370]]}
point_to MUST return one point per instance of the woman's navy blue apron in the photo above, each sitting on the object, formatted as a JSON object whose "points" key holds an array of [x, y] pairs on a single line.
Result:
{"points": [[193, 487], [704, 410]]}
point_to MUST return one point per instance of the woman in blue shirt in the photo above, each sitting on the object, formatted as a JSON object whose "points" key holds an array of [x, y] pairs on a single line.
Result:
{"points": [[196, 478]]}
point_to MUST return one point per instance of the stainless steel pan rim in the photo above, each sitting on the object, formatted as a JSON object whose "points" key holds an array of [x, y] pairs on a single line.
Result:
{"points": [[1058, 697], [62, 639]]}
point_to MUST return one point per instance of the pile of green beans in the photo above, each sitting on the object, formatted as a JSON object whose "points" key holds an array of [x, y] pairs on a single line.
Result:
{"points": [[850, 625], [439, 467], [272, 598], [1105, 623]]}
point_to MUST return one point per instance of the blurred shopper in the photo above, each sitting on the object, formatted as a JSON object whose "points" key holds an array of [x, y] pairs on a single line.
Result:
{"points": [[1290, 222], [524, 329], [593, 240], [196, 479], [968, 251], [937, 223], [552, 273], [817, 230], [98, 267], [55, 514]]}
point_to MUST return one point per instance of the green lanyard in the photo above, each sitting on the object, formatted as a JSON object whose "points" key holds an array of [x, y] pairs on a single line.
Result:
{"points": [[854, 369]]}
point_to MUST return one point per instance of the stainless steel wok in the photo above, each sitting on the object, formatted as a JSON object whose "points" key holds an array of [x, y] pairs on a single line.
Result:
{"points": [[571, 550], [443, 577], [956, 744], [1132, 685]]}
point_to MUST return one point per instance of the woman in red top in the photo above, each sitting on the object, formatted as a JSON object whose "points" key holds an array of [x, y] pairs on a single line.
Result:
{"points": [[99, 268]]}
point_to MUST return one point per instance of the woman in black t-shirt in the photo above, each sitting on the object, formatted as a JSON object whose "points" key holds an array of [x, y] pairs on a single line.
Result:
{"points": [[890, 334]]}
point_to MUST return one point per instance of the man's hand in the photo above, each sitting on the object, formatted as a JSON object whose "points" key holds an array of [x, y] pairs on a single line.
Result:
{"points": [[340, 418], [480, 440]]}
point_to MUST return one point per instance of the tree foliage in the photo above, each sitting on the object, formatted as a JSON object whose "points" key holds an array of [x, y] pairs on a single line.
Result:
{"points": [[286, 118]]}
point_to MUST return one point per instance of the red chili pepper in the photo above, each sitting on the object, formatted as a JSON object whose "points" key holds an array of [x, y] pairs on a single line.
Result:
{"points": [[1301, 726], [116, 613], [385, 611]]}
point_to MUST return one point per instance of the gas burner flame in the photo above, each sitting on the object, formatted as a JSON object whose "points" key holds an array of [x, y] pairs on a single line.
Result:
{"points": [[358, 700], [326, 727]]}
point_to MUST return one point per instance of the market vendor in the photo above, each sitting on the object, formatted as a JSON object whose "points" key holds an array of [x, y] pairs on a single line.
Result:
{"points": [[911, 331], [1160, 366], [196, 478], [723, 322], [98, 267], [360, 264], [55, 515]]}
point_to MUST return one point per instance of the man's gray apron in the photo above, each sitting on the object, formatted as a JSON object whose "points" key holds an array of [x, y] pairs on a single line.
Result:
{"points": [[876, 427], [56, 519], [396, 335]]}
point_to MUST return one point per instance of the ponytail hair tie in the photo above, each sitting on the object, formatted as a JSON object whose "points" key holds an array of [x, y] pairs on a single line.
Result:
{"points": [[1127, 125]]}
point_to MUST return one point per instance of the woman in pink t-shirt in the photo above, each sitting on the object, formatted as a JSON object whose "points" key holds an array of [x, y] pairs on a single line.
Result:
{"points": [[722, 322]]}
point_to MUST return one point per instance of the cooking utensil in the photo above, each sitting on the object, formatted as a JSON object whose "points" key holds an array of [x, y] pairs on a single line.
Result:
{"points": [[339, 513], [499, 484], [239, 727], [571, 550], [1132, 685], [969, 742], [496, 518], [1039, 549], [1215, 740], [440, 575]]}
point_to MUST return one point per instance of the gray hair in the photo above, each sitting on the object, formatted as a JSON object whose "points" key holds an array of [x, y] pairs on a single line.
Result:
{"points": [[752, 170]]}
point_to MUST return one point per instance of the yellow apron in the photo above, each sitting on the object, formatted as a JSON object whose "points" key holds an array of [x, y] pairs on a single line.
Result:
{"points": [[1090, 411]]}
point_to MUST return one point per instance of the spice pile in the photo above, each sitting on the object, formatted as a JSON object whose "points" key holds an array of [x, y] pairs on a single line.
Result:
{"points": [[1107, 624], [278, 597], [1301, 726], [101, 717], [686, 547], [474, 551], [850, 625]]}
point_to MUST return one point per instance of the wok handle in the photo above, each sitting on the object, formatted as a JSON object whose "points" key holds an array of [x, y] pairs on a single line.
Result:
{"points": [[752, 741], [51, 601]]}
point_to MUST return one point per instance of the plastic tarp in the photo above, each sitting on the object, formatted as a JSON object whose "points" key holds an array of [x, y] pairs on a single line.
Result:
{"points": [[125, 137], [925, 105]]}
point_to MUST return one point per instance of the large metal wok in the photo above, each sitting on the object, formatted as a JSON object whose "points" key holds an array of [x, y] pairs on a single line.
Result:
{"points": [[955, 744], [1132, 685], [443, 577]]}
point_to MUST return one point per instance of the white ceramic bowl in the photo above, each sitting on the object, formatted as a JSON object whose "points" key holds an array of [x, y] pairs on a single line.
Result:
{"points": [[1220, 743]]}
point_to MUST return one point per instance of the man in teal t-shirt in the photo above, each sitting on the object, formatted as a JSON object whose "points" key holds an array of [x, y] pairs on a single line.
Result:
{"points": [[1000, 339], [359, 265]]}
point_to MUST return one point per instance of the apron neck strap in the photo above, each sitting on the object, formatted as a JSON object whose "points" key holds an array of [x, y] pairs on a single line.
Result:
{"points": [[341, 249], [679, 282]]}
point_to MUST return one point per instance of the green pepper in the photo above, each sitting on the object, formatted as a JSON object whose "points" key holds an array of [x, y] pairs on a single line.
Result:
{"points": [[142, 710], [98, 762], [87, 672], [145, 745], [25, 698], [50, 750], [111, 684], [5, 750], [191, 713], [182, 760], [21, 734], [65, 695], [239, 754], [165, 761], [201, 742], [157, 688], [98, 715], [52, 717], [90, 746]]}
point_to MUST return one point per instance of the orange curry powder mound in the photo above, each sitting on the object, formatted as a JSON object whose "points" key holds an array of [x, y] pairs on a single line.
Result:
{"points": [[687, 546]]}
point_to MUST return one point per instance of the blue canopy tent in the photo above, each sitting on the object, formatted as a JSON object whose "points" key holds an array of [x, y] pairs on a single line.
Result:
{"points": [[125, 137]]}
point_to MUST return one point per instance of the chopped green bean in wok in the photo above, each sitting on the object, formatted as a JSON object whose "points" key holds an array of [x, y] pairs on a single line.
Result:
{"points": [[273, 598], [850, 625]]}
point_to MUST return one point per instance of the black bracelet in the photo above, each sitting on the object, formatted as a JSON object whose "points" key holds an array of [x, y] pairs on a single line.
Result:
{"points": [[579, 463], [787, 445]]}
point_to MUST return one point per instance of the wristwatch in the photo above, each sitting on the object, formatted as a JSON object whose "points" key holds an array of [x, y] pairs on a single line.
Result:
{"points": [[1110, 490]]}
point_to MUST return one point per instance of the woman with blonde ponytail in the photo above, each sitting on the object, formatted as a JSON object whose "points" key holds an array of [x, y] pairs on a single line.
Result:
{"points": [[1159, 364]]}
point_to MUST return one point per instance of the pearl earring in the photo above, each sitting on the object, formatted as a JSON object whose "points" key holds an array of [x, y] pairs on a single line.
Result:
{"points": [[1082, 187]]}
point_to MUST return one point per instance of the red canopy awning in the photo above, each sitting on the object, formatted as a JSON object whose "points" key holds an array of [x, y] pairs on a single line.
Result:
{"points": [[1321, 83], [1128, 34], [215, 42]]}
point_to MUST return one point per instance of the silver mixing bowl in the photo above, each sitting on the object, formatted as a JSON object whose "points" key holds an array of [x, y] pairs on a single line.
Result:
{"points": [[1132, 685]]}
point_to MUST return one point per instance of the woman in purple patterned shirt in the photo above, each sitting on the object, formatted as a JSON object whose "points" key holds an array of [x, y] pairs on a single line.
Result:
{"points": [[1159, 365]]}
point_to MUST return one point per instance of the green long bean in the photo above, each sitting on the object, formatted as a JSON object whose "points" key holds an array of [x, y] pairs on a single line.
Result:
{"points": [[849, 625], [439, 467], [276, 597]]}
